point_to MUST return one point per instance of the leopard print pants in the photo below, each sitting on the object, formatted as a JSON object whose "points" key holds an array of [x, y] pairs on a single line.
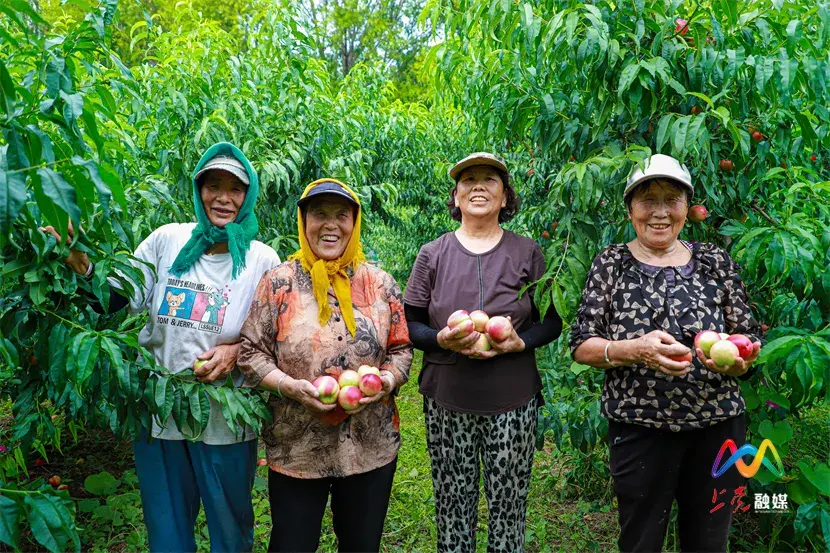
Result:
{"points": [[505, 444]]}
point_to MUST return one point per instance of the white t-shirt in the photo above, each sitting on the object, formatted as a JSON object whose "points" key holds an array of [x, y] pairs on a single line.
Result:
{"points": [[190, 314]]}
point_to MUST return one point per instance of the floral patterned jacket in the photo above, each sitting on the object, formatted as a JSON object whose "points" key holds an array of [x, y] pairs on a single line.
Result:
{"points": [[625, 299], [282, 331]]}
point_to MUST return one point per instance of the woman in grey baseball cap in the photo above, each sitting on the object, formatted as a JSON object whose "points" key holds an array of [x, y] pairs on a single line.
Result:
{"points": [[643, 306], [197, 283], [479, 406]]}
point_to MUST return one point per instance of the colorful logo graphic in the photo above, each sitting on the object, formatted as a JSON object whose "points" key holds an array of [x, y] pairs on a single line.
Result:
{"points": [[736, 458]]}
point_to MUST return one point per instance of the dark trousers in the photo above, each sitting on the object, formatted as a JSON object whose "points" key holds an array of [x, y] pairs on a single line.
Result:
{"points": [[358, 507], [653, 467]]}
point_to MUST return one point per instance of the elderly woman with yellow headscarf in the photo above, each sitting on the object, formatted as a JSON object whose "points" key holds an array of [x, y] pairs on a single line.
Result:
{"points": [[323, 312]]}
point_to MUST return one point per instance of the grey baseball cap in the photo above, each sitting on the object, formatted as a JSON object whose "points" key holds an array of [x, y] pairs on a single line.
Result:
{"points": [[478, 158], [226, 163], [660, 166]]}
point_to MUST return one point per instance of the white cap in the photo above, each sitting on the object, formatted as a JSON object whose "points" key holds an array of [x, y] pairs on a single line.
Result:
{"points": [[226, 163], [660, 166]]}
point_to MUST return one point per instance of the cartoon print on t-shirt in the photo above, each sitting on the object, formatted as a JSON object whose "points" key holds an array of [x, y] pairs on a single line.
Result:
{"points": [[178, 302], [216, 302], [174, 302], [193, 305]]}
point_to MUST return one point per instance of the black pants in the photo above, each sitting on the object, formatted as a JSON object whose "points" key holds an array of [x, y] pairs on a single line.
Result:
{"points": [[653, 467], [358, 506]]}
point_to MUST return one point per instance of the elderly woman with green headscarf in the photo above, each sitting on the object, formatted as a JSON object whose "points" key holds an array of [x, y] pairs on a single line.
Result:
{"points": [[198, 296], [325, 313]]}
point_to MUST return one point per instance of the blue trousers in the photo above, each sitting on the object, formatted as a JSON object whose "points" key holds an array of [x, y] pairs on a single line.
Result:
{"points": [[175, 475]]}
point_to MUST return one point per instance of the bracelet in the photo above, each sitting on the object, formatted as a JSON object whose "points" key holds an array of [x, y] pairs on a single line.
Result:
{"points": [[89, 269], [607, 360], [279, 393]]}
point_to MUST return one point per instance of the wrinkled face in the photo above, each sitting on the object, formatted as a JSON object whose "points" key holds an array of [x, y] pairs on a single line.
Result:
{"points": [[658, 213], [222, 196], [479, 192], [329, 222]]}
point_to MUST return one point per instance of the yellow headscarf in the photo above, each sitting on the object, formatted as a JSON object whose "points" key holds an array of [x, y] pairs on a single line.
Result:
{"points": [[325, 274]]}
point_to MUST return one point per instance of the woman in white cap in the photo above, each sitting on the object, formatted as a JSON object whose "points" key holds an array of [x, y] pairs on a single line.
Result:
{"points": [[643, 304], [198, 297], [480, 407]]}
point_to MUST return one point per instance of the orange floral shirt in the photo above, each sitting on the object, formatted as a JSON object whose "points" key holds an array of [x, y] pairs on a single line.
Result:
{"points": [[282, 331]]}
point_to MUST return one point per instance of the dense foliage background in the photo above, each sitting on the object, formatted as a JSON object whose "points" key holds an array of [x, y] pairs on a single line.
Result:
{"points": [[105, 107]]}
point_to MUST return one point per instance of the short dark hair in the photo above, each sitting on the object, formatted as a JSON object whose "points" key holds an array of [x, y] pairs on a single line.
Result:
{"points": [[646, 184], [511, 208]]}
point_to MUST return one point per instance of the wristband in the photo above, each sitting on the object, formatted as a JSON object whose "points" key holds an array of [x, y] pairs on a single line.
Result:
{"points": [[279, 393], [88, 273], [607, 360]]}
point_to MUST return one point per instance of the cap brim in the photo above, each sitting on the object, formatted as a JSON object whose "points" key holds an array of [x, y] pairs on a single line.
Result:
{"points": [[341, 194], [631, 186], [241, 174], [463, 164]]}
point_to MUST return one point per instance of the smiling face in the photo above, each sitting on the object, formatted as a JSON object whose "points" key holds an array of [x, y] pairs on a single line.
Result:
{"points": [[222, 196], [479, 192], [329, 222], [658, 213]]}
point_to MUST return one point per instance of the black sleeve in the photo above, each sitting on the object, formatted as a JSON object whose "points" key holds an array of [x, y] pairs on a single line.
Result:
{"points": [[542, 332], [117, 302], [422, 336]]}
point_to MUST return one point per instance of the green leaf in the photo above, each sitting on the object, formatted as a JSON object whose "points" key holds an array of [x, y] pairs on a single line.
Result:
{"points": [[825, 527], [8, 96], [627, 77], [793, 35], [751, 397], [801, 491], [85, 362], [12, 198], [818, 475], [51, 522], [10, 512], [23, 7], [55, 78], [779, 433], [57, 356], [579, 368], [662, 131], [16, 152], [179, 408], [199, 408], [779, 400], [73, 108], [102, 484], [778, 348], [679, 131], [60, 192], [104, 193]]}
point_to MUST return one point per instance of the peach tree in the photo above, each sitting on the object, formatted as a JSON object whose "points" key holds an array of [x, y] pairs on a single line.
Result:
{"points": [[576, 93], [108, 147]]}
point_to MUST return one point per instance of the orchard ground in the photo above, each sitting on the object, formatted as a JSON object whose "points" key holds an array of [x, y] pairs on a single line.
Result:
{"points": [[558, 520]]}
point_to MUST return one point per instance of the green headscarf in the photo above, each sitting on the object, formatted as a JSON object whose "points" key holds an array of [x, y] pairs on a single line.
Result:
{"points": [[237, 234]]}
